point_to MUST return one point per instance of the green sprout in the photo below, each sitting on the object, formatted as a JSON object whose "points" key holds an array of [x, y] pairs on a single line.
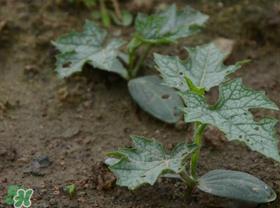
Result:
{"points": [[93, 46], [203, 70]]}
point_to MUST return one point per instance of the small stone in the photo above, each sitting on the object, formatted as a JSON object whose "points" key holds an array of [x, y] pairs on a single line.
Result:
{"points": [[157, 131], [3, 151], [31, 70], [127, 130], [52, 202], [225, 45], [180, 125], [87, 104], [43, 161], [3, 24], [37, 165], [43, 205], [70, 132]]}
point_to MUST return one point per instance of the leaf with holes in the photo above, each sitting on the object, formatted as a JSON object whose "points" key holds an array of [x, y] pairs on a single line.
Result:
{"points": [[158, 100], [78, 48], [147, 161], [169, 25], [232, 116], [204, 68], [236, 185]]}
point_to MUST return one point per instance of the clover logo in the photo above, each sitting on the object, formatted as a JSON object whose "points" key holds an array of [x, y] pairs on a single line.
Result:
{"points": [[23, 198]]}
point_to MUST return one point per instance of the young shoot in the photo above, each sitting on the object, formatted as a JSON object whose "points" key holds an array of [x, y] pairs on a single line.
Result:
{"points": [[159, 29], [106, 15], [93, 46], [204, 69]]}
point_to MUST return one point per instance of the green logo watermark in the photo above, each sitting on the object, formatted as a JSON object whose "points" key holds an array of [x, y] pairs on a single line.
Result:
{"points": [[23, 198]]}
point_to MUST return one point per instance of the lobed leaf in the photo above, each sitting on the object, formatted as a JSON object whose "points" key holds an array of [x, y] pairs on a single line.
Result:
{"points": [[78, 48], [169, 25], [232, 116], [158, 100], [147, 161], [236, 185], [204, 68]]}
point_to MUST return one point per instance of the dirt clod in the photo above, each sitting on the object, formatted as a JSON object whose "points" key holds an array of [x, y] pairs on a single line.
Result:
{"points": [[102, 177]]}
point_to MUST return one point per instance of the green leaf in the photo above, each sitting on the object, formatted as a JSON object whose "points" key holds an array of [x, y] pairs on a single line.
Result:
{"points": [[147, 161], [105, 15], [79, 48], [204, 68], [70, 190], [158, 100], [169, 25], [134, 44], [232, 116], [127, 18], [236, 185]]}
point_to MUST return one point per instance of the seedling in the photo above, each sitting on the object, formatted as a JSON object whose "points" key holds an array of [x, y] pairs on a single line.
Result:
{"points": [[70, 190], [93, 47], [120, 17], [204, 69]]}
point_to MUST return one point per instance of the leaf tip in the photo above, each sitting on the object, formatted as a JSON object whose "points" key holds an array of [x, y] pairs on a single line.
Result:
{"points": [[239, 64]]}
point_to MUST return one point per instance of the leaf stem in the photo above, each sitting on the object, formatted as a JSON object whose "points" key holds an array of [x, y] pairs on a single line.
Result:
{"points": [[117, 9], [133, 45], [104, 14], [141, 60], [187, 179], [199, 130]]}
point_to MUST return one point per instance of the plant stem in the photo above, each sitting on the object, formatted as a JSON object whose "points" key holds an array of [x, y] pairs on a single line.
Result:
{"points": [[117, 9], [141, 60], [187, 179], [131, 60], [199, 130], [104, 14]]}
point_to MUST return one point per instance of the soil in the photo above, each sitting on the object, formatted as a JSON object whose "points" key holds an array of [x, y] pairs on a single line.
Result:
{"points": [[56, 132]]}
